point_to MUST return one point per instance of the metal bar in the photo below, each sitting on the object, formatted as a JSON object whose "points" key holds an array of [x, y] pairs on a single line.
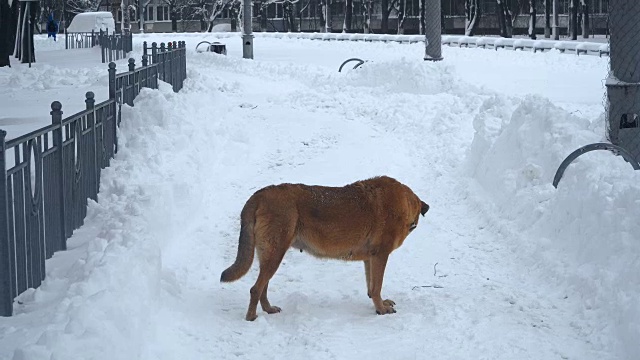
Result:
{"points": [[56, 119], [6, 271]]}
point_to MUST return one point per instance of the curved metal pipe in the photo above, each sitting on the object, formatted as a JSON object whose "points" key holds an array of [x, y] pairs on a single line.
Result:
{"points": [[592, 147], [360, 62]]}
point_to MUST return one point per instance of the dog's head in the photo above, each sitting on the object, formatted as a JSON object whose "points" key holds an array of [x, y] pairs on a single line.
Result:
{"points": [[424, 207]]}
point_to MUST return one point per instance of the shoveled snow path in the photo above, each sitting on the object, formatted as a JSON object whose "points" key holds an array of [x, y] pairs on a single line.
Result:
{"points": [[319, 129]]}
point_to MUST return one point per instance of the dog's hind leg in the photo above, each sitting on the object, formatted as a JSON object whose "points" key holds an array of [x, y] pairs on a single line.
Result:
{"points": [[264, 302], [269, 263], [367, 274]]}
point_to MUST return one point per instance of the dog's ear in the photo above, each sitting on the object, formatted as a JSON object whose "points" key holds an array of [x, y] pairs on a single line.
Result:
{"points": [[424, 208]]}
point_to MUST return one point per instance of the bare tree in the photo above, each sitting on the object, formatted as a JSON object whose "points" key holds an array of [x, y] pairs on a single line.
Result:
{"points": [[367, 10], [8, 26], [472, 16], [505, 19], [386, 6], [326, 11], [423, 22], [212, 9], [573, 19], [532, 19], [547, 18], [401, 11], [584, 5], [82, 6], [289, 17], [348, 15]]}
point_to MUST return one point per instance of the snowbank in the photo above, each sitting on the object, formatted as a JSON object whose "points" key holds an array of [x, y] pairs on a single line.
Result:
{"points": [[587, 230]]}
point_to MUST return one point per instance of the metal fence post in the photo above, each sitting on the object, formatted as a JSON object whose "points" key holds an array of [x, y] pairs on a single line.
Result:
{"points": [[115, 110], [6, 276], [154, 52], [90, 101], [144, 50], [623, 83], [164, 55], [433, 30], [131, 82], [169, 61], [132, 64], [56, 119], [112, 80]]}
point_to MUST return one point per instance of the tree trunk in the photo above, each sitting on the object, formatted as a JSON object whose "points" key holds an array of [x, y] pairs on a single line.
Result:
{"points": [[422, 17], [402, 7], [27, 27], [290, 20], [585, 18], [472, 16], [321, 11], [348, 15], [328, 25], [7, 31], [384, 21], [126, 21], [573, 19], [532, 19], [234, 19], [547, 18], [262, 17], [509, 20], [174, 18], [367, 16], [504, 19]]}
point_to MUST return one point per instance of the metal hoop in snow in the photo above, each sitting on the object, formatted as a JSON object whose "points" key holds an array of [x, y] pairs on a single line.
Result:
{"points": [[360, 62], [617, 150], [203, 42]]}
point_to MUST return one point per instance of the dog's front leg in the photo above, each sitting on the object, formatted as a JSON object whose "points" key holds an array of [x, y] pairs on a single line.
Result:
{"points": [[377, 265]]}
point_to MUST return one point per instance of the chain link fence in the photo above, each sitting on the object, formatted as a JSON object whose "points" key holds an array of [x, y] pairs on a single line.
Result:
{"points": [[623, 83]]}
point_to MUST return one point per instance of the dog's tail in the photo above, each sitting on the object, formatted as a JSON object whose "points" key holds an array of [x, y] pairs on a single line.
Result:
{"points": [[246, 245]]}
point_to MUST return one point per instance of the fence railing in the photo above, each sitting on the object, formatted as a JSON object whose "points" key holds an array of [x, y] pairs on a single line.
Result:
{"points": [[113, 46], [80, 40], [46, 176]]}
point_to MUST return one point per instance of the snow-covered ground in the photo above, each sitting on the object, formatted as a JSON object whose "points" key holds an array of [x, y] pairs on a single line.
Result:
{"points": [[503, 266]]}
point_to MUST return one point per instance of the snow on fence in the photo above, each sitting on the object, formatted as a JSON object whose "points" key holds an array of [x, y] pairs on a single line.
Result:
{"points": [[570, 47], [48, 175]]}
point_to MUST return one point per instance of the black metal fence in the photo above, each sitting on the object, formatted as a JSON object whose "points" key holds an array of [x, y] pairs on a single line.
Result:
{"points": [[113, 46], [47, 176], [80, 40]]}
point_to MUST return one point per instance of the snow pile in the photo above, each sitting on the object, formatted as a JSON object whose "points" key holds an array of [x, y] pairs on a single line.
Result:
{"points": [[585, 232], [111, 289]]}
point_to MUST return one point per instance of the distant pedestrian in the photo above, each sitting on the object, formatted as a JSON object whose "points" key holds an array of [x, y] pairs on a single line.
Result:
{"points": [[52, 28]]}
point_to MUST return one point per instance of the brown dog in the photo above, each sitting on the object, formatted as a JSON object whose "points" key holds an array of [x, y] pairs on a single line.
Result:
{"points": [[363, 221]]}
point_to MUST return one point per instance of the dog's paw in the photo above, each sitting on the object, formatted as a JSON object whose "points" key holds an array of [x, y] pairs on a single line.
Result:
{"points": [[272, 310], [386, 310], [389, 302], [251, 317]]}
